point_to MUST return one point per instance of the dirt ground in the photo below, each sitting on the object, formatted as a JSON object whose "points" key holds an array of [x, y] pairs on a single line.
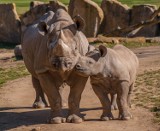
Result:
{"points": [[16, 97]]}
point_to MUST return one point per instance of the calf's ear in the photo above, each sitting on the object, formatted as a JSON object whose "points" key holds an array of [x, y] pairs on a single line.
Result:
{"points": [[43, 28], [79, 22], [103, 50]]}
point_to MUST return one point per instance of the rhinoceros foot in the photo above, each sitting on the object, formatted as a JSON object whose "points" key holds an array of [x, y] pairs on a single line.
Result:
{"points": [[74, 119], [125, 116], [40, 104], [107, 117], [57, 120]]}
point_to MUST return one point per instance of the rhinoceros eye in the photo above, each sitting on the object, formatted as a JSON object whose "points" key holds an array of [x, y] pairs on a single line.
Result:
{"points": [[90, 62]]}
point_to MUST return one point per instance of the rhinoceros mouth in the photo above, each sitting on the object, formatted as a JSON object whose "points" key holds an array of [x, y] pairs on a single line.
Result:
{"points": [[81, 69]]}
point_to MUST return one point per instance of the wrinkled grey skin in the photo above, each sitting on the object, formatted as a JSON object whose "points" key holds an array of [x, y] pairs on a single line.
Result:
{"points": [[111, 71], [51, 48]]}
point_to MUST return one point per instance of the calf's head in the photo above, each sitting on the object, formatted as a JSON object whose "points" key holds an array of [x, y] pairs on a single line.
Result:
{"points": [[93, 63], [63, 40]]}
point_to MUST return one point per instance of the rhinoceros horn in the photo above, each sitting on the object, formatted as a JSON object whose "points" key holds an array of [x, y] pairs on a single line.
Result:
{"points": [[61, 36]]}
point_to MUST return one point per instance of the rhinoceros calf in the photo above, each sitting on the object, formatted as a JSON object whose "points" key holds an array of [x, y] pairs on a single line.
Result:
{"points": [[50, 48], [111, 71]]}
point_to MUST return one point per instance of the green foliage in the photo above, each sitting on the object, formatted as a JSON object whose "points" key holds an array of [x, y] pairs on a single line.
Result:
{"points": [[12, 74]]}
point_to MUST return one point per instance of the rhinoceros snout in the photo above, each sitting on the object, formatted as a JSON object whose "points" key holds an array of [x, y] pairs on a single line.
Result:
{"points": [[62, 63], [68, 64], [78, 66]]}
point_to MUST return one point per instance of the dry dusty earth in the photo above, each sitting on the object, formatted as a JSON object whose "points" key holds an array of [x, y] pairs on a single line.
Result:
{"points": [[16, 98]]}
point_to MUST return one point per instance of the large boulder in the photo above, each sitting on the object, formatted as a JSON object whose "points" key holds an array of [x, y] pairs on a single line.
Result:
{"points": [[142, 13], [55, 4], [116, 16], [10, 29], [37, 9], [90, 12], [35, 3]]}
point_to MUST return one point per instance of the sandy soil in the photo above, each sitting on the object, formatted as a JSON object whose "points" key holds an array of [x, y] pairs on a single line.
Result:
{"points": [[16, 98]]}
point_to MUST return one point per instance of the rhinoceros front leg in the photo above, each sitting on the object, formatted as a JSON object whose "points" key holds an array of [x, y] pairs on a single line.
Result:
{"points": [[122, 96], [61, 91], [40, 101], [114, 101], [49, 86], [76, 89], [104, 99]]}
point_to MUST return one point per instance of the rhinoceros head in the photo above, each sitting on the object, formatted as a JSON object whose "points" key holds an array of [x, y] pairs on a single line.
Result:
{"points": [[92, 64], [63, 40]]}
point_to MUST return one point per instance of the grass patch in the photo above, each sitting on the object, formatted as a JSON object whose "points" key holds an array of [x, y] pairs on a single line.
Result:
{"points": [[147, 92], [12, 74]]}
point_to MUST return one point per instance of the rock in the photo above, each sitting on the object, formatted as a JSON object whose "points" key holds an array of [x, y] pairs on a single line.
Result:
{"points": [[90, 12], [116, 16], [18, 51], [35, 3], [141, 13], [55, 4], [33, 14], [10, 26], [37, 9], [153, 40], [116, 40]]}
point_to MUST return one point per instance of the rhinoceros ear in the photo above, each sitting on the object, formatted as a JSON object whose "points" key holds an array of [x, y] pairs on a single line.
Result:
{"points": [[79, 21], [103, 50], [43, 28]]}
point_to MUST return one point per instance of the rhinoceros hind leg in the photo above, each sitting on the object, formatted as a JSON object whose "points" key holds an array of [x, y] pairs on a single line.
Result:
{"points": [[40, 101], [129, 95], [122, 97], [114, 102]]}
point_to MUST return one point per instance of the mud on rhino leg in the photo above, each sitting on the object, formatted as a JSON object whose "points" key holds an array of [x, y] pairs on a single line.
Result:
{"points": [[114, 101], [40, 101], [122, 96], [54, 98], [76, 90], [106, 104]]}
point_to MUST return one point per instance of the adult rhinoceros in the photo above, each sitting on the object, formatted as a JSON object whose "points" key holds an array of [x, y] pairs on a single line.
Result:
{"points": [[51, 48]]}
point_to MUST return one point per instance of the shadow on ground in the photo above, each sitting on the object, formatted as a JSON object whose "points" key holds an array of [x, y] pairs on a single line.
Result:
{"points": [[10, 120]]}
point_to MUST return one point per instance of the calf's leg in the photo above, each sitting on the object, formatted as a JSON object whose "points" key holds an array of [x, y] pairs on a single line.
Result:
{"points": [[122, 95], [129, 95], [106, 104]]}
